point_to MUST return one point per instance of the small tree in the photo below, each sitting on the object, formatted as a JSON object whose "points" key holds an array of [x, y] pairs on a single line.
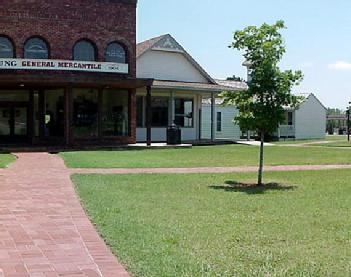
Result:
{"points": [[235, 78], [261, 107]]}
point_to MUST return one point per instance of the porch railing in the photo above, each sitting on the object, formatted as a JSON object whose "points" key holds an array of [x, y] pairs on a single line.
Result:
{"points": [[287, 131]]}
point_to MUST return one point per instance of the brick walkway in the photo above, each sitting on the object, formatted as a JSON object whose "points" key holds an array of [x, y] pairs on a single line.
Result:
{"points": [[203, 169], [43, 228]]}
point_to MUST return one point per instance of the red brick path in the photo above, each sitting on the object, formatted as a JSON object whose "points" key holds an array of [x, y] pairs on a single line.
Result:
{"points": [[43, 228]]}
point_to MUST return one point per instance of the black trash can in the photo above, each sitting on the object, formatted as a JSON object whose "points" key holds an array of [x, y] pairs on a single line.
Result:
{"points": [[174, 135]]}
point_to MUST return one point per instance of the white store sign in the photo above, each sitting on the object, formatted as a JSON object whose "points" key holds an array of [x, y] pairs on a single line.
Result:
{"points": [[30, 64]]}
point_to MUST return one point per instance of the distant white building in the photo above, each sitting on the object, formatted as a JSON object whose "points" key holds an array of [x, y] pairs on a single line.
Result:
{"points": [[308, 121]]}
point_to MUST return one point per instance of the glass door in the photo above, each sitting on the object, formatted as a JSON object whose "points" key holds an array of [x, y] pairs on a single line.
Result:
{"points": [[20, 121], [5, 121], [13, 123]]}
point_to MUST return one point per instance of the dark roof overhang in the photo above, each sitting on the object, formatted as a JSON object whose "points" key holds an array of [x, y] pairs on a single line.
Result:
{"points": [[60, 79]]}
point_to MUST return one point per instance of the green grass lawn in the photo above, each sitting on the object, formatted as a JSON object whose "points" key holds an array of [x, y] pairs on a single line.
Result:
{"points": [[6, 159], [329, 141], [333, 141], [335, 138], [200, 225], [207, 156], [299, 141], [343, 143]]}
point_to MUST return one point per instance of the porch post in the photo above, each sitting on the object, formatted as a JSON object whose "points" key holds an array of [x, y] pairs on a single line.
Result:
{"points": [[199, 102], [148, 116], [213, 114], [100, 103], [172, 108], [132, 114], [30, 124], [42, 113], [68, 100]]}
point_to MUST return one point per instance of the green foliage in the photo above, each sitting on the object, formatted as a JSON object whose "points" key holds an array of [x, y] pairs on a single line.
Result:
{"points": [[235, 78], [335, 111], [262, 105], [332, 124]]}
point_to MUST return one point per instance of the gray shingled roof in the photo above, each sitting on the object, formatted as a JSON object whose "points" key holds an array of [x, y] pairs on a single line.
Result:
{"points": [[192, 86], [232, 84]]}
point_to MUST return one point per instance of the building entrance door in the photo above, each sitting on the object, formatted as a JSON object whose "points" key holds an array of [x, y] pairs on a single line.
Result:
{"points": [[13, 122]]}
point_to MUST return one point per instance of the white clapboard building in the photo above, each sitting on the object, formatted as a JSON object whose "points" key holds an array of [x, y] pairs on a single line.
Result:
{"points": [[179, 87], [225, 128], [307, 121]]}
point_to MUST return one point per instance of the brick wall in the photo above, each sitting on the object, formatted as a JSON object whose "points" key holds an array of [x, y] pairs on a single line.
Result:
{"points": [[63, 22]]}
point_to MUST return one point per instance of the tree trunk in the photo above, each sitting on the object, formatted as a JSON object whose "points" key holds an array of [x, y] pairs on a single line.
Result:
{"points": [[260, 170]]}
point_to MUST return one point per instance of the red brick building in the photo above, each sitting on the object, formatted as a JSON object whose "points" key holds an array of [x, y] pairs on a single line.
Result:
{"points": [[68, 72]]}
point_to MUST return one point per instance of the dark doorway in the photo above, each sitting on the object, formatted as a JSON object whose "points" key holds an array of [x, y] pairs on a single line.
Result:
{"points": [[54, 113], [13, 122]]}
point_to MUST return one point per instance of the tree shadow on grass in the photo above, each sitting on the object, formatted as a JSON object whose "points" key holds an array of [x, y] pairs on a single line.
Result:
{"points": [[250, 188]]}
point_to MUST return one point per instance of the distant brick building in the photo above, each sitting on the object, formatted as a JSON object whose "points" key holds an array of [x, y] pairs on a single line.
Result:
{"points": [[68, 72]]}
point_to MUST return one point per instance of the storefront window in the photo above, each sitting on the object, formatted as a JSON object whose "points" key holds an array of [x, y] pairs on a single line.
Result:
{"points": [[85, 112], [140, 111], [13, 114], [184, 112], [159, 116], [6, 48], [36, 48], [20, 121], [115, 53], [14, 96], [5, 117], [115, 113]]}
